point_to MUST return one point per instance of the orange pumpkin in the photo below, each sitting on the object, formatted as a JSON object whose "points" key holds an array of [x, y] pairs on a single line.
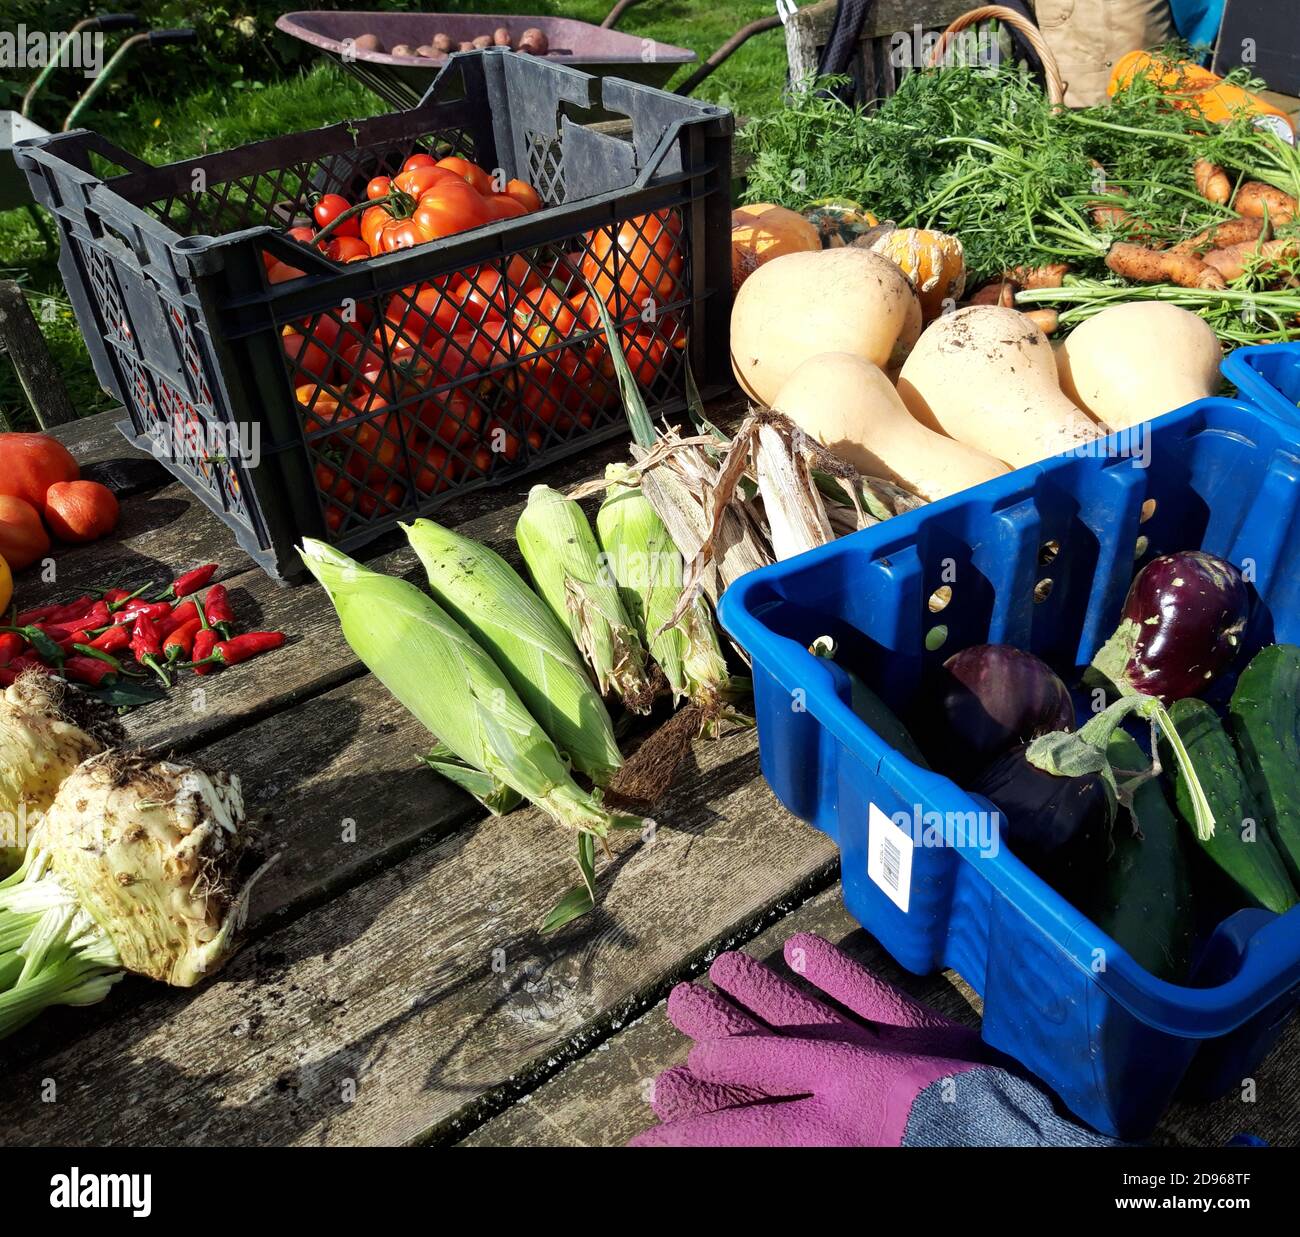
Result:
{"points": [[31, 463], [23, 538], [80, 510], [933, 263], [764, 231]]}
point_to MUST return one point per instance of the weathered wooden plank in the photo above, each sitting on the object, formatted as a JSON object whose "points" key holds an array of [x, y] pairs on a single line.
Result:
{"points": [[410, 1001], [601, 1098], [25, 346]]}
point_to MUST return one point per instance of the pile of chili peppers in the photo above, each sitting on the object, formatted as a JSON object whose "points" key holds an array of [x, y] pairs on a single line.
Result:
{"points": [[122, 634]]}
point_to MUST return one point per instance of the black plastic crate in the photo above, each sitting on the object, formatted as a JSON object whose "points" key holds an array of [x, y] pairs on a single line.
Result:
{"points": [[287, 408]]}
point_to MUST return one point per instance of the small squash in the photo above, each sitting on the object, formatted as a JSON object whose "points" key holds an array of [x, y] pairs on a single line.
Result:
{"points": [[764, 231], [933, 262], [986, 376], [849, 405], [803, 304], [840, 222]]}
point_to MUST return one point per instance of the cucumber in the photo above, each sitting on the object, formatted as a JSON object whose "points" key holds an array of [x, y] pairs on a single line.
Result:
{"points": [[1264, 721], [1145, 900], [1253, 866]]}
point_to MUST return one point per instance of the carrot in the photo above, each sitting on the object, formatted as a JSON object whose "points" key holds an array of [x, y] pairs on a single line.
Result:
{"points": [[1221, 235], [1212, 181], [1159, 266], [1232, 261], [1255, 199], [1046, 320], [1050, 276]]}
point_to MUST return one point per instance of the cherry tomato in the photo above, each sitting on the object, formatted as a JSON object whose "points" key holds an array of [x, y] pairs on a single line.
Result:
{"points": [[420, 160], [379, 188], [436, 470], [470, 173], [329, 206]]}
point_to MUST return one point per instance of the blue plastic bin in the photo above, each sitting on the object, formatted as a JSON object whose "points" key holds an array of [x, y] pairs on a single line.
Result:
{"points": [[1041, 559], [1268, 375]]}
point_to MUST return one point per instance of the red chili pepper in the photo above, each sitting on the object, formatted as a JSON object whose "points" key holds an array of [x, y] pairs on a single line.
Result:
{"points": [[191, 581], [146, 645], [11, 646], [123, 598], [219, 611], [8, 675], [70, 610], [27, 661], [59, 631], [186, 612], [78, 636], [38, 615], [113, 595], [133, 610], [180, 643], [97, 616], [204, 642], [88, 670], [240, 648], [114, 640]]}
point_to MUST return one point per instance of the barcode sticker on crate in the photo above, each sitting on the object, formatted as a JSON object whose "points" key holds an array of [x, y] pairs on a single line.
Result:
{"points": [[889, 857]]}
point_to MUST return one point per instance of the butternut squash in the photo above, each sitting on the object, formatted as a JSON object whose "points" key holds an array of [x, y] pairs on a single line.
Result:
{"points": [[803, 304], [934, 263], [764, 231], [1136, 361], [849, 405], [986, 376]]}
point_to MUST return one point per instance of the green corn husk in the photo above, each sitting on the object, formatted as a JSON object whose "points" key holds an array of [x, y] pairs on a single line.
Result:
{"points": [[487, 597], [433, 667], [647, 565], [558, 545]]}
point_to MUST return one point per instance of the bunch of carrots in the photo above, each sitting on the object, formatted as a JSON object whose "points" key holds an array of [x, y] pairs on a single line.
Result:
{"points": [[118, 633]]}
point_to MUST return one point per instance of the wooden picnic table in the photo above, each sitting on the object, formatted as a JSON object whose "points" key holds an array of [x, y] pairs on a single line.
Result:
{"points": [[393, 988]]}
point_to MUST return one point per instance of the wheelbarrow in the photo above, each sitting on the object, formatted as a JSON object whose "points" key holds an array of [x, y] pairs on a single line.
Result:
{"points": [[15, 126], [403, 80]]}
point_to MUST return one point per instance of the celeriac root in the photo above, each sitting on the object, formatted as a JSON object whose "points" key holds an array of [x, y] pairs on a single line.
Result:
{"points": [[1160, 266], [1233, 261], [1255, 199], [1212, 181]]}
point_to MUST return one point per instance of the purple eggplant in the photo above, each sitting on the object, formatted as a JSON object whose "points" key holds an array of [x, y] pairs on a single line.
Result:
{"points": [[1060, 827], [990, 697], [1181, 627]]}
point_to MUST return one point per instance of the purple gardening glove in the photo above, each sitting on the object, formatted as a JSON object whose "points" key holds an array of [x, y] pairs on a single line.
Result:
{"points": [[841, 1082]]}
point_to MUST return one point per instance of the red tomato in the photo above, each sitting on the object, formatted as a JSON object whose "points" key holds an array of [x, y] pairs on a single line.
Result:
{"points": [[420, 160], [347, 248], [523, 193], [450, 206], [378, 188], [328, 207], [281, 272], [419, 180], [307, 359], [483, 294], [470, 173], [639, 264], [502, 206], [419, 316]]}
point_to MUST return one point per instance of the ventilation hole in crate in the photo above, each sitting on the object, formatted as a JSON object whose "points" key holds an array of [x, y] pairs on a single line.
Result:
{"points": [[1148, 510], [939, 598], [936, 638], [1047, 552], [1140, 548], [1042, 590]]}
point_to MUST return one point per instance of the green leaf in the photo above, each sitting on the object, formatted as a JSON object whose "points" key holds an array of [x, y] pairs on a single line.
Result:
{"points": [[643, 428], [491, 792], [576, 903]]}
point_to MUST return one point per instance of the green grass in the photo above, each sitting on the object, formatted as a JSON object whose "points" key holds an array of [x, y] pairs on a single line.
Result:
{"points": [[218, 118]]}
